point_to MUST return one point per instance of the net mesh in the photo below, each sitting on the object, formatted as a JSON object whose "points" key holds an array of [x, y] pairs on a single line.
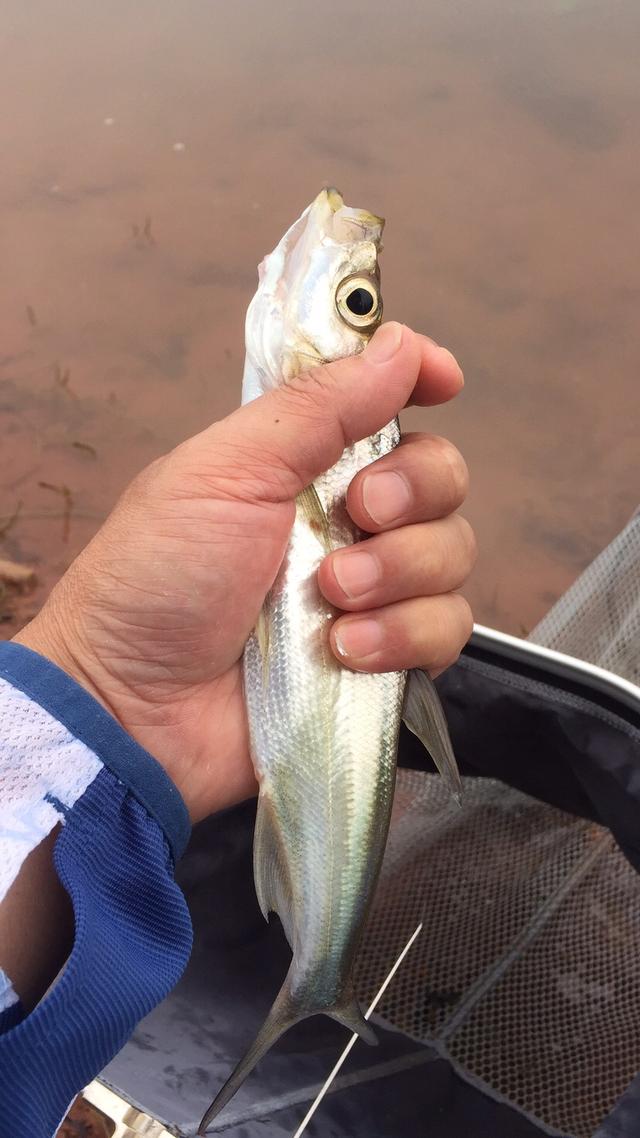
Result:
{"points": [[598, 618], [527, 974], [576, 991]]}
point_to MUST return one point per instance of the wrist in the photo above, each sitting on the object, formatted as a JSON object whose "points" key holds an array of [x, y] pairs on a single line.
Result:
{"points": [[54, 637], [42, 635]]}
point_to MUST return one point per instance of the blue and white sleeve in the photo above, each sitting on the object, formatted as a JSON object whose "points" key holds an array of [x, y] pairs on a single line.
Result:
{"points": [[64, 759]]}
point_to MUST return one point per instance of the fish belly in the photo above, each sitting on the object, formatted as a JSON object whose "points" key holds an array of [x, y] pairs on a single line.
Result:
{"points": [[324, 742]]}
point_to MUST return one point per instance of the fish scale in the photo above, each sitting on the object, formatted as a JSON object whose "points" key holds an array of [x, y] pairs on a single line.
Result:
{"points": [[323, 738]]}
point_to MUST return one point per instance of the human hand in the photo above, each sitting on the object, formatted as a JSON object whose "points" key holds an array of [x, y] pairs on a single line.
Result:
{"points": [[152, 617]]}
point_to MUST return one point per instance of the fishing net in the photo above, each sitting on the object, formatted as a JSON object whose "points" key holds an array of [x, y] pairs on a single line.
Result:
{"points": [[598, 619], [527, 976]]}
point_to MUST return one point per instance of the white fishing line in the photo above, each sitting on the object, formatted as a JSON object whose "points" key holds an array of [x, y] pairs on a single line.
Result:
{"points": [[370, 1010]]}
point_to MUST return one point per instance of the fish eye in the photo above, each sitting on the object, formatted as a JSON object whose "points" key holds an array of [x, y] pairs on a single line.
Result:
{"points": [[358, 301]]}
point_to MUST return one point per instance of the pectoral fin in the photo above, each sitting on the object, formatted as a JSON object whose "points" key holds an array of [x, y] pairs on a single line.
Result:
{"points": [[315, 515], [263, 636], [424, 716], [270, 871]]}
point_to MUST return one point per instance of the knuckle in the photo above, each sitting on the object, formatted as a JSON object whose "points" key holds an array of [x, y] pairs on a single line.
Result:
{"points": [[168, 474], [464, 617], [146, 481], [448, 553], [455, 467], [311, 400], [437, 556], [455, 628], [467, 538], [232, 469], [458, 474]]}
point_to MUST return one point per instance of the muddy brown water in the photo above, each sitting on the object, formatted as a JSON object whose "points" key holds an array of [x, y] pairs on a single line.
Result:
{"points": [[152, 153]]}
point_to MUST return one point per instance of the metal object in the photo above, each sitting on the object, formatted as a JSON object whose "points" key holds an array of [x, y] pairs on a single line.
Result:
{"points": [[354, 1038], [129, 1122]]}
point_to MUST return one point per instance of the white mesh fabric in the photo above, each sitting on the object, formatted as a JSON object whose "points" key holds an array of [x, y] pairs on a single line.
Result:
{"points": [[8, 995], [598, 618], [43, 767]]}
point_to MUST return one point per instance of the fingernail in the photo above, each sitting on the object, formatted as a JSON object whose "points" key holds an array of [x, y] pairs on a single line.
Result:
{"points": [[358, 638], [356, 572], [385, 496], [384, 343]]}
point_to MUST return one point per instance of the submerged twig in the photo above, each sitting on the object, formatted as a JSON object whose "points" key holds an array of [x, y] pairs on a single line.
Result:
{"points": [[15, 574], [86, 448], [142, 235], [61, 379], [147, 231], [67, 495], [6, 526], [55, 515]]}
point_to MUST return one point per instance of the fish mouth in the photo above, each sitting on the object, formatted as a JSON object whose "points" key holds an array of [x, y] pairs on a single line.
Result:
{"points": [[334, 198], [345, 223]]}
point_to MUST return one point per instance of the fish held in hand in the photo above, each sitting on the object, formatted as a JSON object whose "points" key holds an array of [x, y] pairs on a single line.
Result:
{"points": [[323, 739]]}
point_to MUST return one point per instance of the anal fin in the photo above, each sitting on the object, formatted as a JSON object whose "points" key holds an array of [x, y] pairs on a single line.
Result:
{"points": [[424, 716]]}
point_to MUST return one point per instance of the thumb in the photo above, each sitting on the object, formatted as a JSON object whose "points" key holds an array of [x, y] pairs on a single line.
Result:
{"points": [[284, 439]]}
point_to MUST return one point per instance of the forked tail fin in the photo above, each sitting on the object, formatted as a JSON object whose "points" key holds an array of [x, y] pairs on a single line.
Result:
{"points": [[285, 1012], [349, 1014]]}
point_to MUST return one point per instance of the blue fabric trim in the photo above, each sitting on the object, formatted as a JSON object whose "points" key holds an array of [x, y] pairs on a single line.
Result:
{"points": [[57, 804], [11, 1016], [88, 721], [132, 942]]}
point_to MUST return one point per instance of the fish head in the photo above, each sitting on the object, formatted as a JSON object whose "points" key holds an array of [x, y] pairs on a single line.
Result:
{"points": [[318, 296]]}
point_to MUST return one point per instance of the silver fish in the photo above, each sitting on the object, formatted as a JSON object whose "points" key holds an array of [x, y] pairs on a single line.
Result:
{"points": [[324, 739]]}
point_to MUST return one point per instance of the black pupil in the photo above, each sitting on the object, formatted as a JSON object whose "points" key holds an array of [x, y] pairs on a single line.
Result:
{"points": [[360, 302]]}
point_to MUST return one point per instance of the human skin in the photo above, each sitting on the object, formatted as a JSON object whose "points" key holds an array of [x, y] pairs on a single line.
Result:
{"points": [[152, 617]]}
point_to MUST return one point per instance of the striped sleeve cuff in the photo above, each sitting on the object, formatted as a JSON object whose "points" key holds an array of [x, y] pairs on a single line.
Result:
{"points": [[64, 759], [52, 725]]}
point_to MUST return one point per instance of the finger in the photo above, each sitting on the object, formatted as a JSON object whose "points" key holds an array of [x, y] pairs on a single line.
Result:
{"points": [[273, 447], [425, 477], [426, 632], [440, 376], [414, 561]]}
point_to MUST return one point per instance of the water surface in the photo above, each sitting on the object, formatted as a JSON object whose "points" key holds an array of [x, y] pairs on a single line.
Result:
{"points": [[153, 152]]}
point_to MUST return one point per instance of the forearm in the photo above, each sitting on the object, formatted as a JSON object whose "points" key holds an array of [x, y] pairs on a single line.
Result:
{"points": [[89, 825]]}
